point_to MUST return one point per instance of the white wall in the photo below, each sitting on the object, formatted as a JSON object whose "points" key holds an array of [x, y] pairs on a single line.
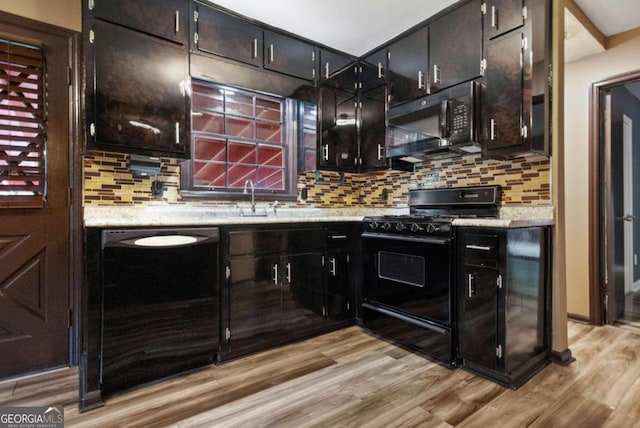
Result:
{"points": [[63, 13], [579, 76]]}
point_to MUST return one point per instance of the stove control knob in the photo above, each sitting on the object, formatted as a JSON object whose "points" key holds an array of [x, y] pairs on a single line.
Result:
{"points": [[400, 227], [386, 226], [415, 227], [432, 228], [374, 225]]}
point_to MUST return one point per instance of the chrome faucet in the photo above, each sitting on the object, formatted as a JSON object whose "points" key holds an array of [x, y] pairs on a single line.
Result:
{"points": [[253, 201]]}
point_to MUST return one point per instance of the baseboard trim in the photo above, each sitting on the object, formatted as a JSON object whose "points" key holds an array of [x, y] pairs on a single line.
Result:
{"points": [[563, 358], [579, 318]]}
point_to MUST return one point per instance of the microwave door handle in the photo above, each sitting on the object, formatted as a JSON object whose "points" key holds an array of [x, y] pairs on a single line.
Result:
{"points": [[445, 108]]}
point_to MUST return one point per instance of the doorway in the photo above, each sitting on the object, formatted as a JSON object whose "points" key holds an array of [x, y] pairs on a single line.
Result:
{"points": [[615, 289]]}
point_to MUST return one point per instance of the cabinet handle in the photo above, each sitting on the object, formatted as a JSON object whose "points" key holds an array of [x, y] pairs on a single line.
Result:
{"points": [[270, 53], [255, 48], [275, 273], [478, 247], [325, 152], [326, 70], [380, 152], [494, 17], [177, 132], [436, 74], [492, 129], [380, 75], [471, 289], [420, 80], [337, 236], [332, 266], [177, 21], [289, 272]]}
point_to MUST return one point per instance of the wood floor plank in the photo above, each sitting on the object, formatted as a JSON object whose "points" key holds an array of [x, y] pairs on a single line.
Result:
{"points": [[350, 378]]}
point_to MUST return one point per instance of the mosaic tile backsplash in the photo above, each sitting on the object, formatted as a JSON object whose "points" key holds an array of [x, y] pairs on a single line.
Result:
{"points": [[524, 181]]}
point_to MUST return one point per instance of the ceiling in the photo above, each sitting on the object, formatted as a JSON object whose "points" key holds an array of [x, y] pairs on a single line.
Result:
{"points": [[358, 26]]}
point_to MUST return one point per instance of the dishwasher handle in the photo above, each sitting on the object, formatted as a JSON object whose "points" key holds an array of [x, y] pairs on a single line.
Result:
{"points": [[155, 238]]}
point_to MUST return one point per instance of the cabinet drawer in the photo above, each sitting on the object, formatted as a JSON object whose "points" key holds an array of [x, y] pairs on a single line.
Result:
{"points": [[244, 242], [480, 249]]}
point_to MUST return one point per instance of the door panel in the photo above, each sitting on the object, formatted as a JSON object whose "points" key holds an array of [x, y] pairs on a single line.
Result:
{"points": [[34, 245]]}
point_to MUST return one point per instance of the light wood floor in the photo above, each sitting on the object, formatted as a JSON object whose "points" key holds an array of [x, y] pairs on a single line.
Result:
{"points": [[351, 379]]}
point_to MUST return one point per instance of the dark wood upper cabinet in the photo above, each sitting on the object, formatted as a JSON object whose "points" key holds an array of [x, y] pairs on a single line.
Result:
{"points": [[133, 104], [288, 55], [408, 67], [503, 95], [218, 33], [501, 16], [333, 63], [372, 129], [455, 47], [338, 130], [373, 70], [516, 94], [162, 18]]}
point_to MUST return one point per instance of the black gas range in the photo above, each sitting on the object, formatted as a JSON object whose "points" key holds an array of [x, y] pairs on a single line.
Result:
{"points": [[431, 211], [408, 264]]}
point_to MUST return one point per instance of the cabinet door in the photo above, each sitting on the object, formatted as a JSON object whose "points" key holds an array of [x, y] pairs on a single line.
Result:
{"points": [[287, 55], [137, 106], [503, 95], [255, 303], [502, 16], [408, 65], [372, 129], [162, 18], [221, 34], [478, 315], [338, 301], [332, 63], [455, 47], [339, 143], [373, 70], [302, 294]]}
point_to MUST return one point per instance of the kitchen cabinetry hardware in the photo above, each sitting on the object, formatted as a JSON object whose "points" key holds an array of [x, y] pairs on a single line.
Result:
{"points": [[177, 133], [492, 130], [325, 152], [436, 74], [255, 48], [274, 268], [195, 38], [483, 66], [499, 281], [499, 351], [380, 75], [92, 36], [525, 131], [478, 247], [177, 21], [380, 152], [270, 53], [335, 237], [288, 277], [483, 8], [420, 79], [470, 285], [494, 17], [92, 129], [227, 333], [332, 266], [195, 16], [524, 12], [227, 272], [90, 4]]}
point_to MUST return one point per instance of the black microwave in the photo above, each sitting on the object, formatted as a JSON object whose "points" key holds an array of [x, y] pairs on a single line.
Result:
{"points": [[433, 125]]}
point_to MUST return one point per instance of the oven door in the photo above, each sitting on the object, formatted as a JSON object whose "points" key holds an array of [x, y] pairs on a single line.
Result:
{"points": [[409, 275]]}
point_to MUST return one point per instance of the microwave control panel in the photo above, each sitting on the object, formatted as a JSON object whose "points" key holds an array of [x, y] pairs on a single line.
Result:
{"points": [[461, 120]]}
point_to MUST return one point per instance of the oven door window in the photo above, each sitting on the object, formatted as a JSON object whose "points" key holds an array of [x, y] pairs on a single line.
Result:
{"points": [[401, 268]]}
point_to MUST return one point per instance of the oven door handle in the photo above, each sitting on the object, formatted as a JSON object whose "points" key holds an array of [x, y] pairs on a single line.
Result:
{"points": [[422, 240]]}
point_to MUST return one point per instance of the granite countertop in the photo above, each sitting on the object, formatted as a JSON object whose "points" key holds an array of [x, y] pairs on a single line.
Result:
{"points": [[186, 215]]}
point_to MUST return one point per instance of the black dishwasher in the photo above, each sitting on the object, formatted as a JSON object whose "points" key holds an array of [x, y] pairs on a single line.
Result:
{"points": [[160, 303]]}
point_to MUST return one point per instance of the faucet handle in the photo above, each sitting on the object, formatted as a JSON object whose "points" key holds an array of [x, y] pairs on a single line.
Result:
{"points": [[275, 205]]}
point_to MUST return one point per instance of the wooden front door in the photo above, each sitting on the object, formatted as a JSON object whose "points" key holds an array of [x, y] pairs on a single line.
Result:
{"points": [[35, 241]]}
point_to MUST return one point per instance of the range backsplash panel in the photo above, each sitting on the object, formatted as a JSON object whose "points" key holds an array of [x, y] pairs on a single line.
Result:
{"points": [[525, 181]]}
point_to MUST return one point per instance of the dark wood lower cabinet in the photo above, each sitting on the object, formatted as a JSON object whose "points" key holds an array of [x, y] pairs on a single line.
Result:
{"points": [[503, 302], [283, 284]]}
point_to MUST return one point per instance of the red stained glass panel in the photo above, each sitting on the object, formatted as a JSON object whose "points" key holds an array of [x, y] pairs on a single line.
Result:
{"points": [[212, 123], [270, 178], [242, 153], [238, 127], [270, 156], [269, 132], [210, 149], [239, 174], [268, 110], [209, 174]]}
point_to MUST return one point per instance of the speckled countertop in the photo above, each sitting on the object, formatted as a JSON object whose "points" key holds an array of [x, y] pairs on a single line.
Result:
{"points": [[186, 215]]}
